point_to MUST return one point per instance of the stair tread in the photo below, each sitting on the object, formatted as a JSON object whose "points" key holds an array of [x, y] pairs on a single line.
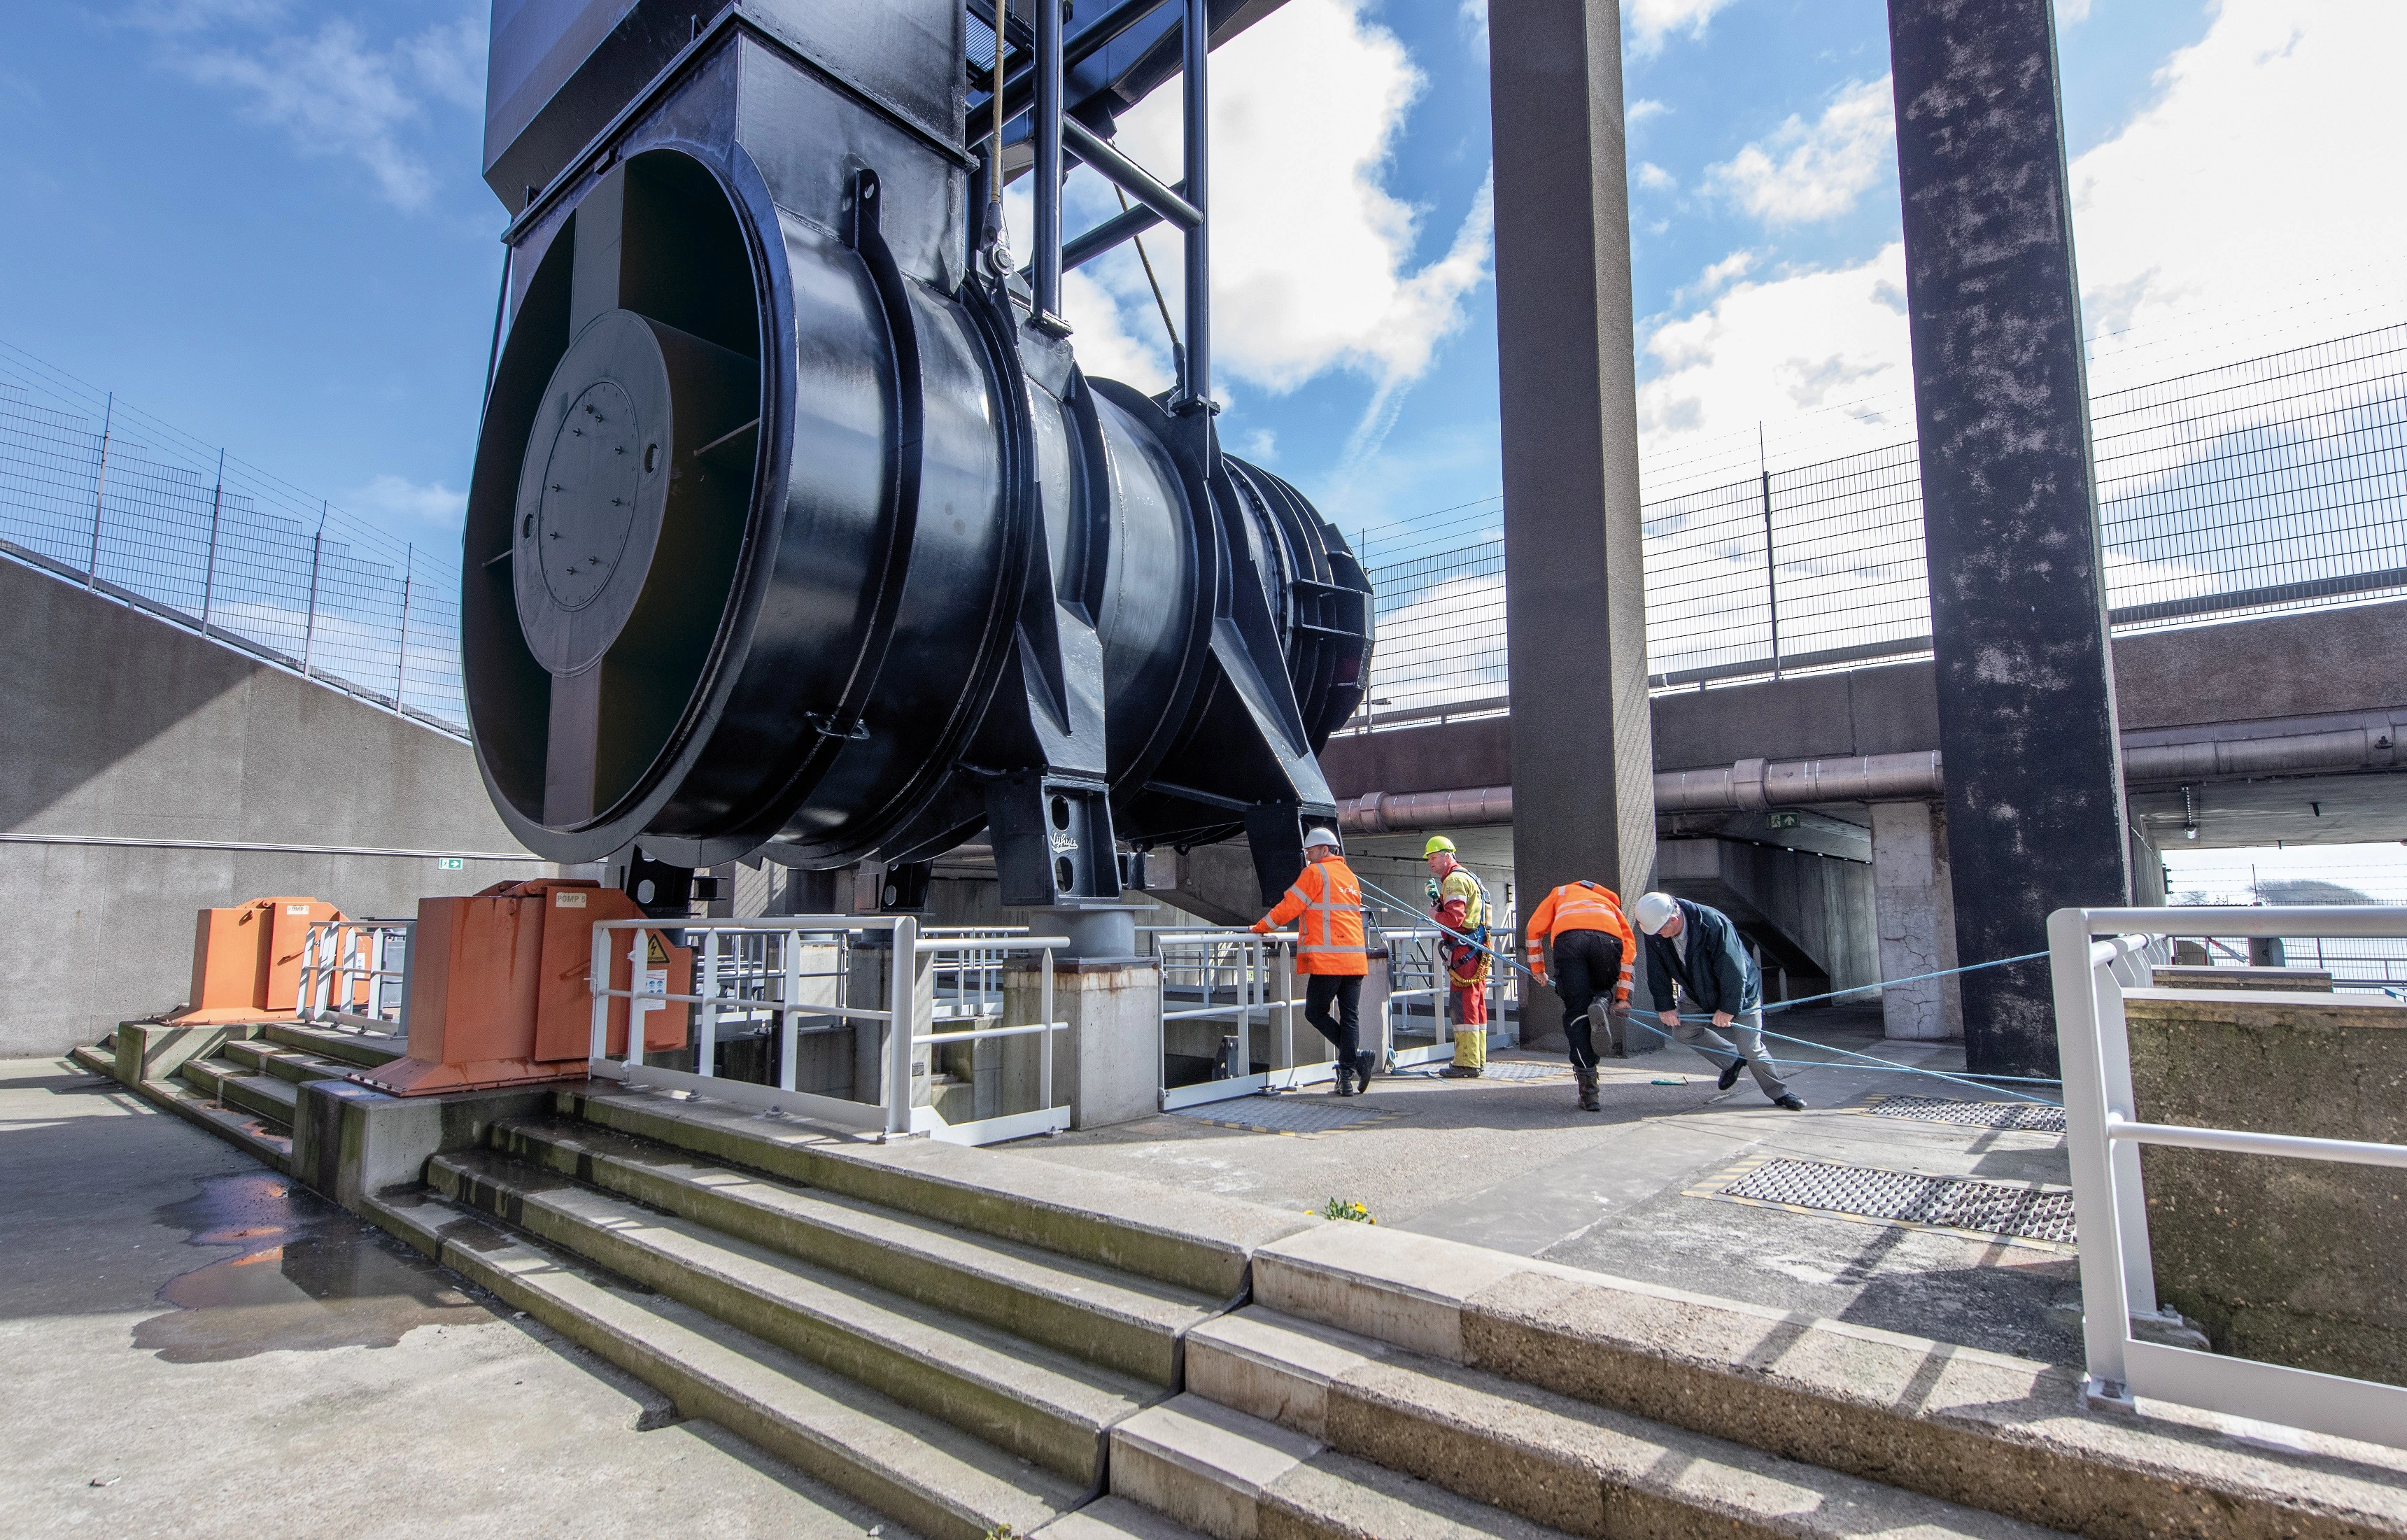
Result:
{"points": [[93, 1058], [823, 1413], [246, 1131], [1038, 1379], [1116, 1518], [1315, 1487], [266, 1088], [1096, 1287], [1469, 1428], [360, 1049], [266, 1058]]}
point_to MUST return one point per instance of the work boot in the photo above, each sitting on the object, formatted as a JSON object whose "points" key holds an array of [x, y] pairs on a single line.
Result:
{"points": [[1345, 1086], [1459, 1072], [1364, 1062], [1589, 1102], [1788, 1103], [1731, 1072]]}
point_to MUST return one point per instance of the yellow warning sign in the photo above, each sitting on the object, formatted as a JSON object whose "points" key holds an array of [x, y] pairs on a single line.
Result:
{"points": [[654, 953]]}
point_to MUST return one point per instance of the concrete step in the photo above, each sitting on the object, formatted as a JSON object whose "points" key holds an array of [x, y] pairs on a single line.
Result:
{"points": [[1173, 1235], [1235, 1477], [1113, 1318], [932, 1477], [365, 1050], [285, 1063], [270, 1144], [1023, 1398], [1984, 1431], [98, 1059], [1116, 1518], [1578, 1468], [260, 1095]]}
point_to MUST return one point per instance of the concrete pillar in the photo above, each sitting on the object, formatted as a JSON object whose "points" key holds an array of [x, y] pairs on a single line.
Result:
{"points": [[1916, 913], [1107, 1064], [1574, 605], [2017, 603]]}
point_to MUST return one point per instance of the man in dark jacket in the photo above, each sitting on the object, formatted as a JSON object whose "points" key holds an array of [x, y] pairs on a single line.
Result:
{"points": [[1694, 951]]}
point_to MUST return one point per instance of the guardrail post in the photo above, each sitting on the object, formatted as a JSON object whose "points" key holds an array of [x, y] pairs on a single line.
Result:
{"points": [[597, 983], [706, 1058], [1045, 1038], [2105, 1307], [790, 994], [902, 1024]]}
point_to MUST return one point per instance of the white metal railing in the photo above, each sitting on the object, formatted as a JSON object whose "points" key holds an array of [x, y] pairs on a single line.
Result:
{"points": [[799, 975], [355, 973], [2110, 1204], [1416, 973], [1246, 981]]}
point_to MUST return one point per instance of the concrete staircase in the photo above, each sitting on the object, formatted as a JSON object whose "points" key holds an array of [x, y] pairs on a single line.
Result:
{"points": [[980, 1344], [239, 1082]]}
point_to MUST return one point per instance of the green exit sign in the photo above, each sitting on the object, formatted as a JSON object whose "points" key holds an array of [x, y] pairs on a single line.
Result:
{"points": [[1786, 820], [452, 863]]}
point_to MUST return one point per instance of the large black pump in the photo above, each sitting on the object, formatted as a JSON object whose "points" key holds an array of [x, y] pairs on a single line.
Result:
{"points": [[793, 532]]}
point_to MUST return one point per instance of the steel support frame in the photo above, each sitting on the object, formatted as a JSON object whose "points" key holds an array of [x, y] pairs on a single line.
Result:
{"points": [[1186, 205]]}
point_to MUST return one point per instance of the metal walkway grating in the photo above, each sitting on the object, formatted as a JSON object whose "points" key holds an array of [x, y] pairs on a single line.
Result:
{"points": [[1500, 1069], [2029, 1117], [1906, 1197], [1296, 1115]]}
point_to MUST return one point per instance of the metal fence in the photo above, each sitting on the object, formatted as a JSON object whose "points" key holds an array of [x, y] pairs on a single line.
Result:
{"points": [[96, 492], [2273, 484]]}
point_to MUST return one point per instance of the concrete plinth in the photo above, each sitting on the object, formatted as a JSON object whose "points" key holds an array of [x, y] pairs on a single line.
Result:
{"points": [[1107, 1064], [1917, 910], [2288, 1261]]}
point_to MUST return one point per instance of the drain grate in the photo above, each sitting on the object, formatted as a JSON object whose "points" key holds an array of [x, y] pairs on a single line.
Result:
{"points": [[1909, 1198], [1499, 1069], [2031, 1117], [1296, 1115]]}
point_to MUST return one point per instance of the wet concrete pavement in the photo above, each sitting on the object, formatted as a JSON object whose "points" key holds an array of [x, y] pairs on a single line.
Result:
{"points": [[193, 1347], [1515, 1165]]}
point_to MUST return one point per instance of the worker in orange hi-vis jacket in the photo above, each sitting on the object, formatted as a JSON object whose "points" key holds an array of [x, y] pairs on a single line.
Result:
{"points": [[1460, 904], [1325, 906], [1593, 955]]}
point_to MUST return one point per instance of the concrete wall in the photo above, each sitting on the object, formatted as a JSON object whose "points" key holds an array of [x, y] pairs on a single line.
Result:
{"points": [[2163, 678], [1810, 913], [123, 732]]}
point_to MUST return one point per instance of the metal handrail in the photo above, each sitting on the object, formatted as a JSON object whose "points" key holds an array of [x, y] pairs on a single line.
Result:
{"points": [[736, 981], [333, 978], [2095, 955]]}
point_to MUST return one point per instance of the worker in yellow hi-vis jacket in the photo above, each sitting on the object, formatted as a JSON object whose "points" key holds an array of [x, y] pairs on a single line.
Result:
{"points": [[1459, 903]]}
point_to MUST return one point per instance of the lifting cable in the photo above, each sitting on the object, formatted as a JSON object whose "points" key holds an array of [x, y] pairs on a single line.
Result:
{"points": [[1849, 1059]]}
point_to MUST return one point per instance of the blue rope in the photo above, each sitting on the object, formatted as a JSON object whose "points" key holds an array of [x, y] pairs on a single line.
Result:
{"points": [[1851, 1060]]}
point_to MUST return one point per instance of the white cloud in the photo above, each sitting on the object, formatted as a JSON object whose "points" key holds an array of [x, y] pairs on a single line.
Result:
{"points": [[2239, 211], [1313, 259], [1641, 111], [1651, 22], [396, 502], [1798, 174], [2071, 12], [333, 92], [1804, 342], [2222, 221], [1473, 14], [1655, 179]]}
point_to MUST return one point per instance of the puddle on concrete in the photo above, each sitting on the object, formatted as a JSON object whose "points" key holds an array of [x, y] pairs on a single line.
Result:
{"points": [[304, 1276]]}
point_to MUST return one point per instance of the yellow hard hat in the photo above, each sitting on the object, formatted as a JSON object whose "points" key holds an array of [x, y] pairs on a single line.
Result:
{"points": [[1437, 843]]}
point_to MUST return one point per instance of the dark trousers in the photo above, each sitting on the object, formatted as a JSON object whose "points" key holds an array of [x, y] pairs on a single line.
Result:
{"points": [[1341, 1027], [1587, 966]]}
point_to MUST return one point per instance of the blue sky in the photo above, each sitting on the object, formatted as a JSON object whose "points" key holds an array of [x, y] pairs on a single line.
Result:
{"points": [[261, 220]]}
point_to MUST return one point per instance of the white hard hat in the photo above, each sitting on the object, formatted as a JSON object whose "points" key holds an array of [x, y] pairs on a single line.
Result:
{"points": [[1321, 836], [1654, 911]]}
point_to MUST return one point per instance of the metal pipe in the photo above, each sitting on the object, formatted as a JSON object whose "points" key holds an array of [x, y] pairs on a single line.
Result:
{"points": [[1118, 169], [1196, 387], [1049, 158], [1122, 227]]}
